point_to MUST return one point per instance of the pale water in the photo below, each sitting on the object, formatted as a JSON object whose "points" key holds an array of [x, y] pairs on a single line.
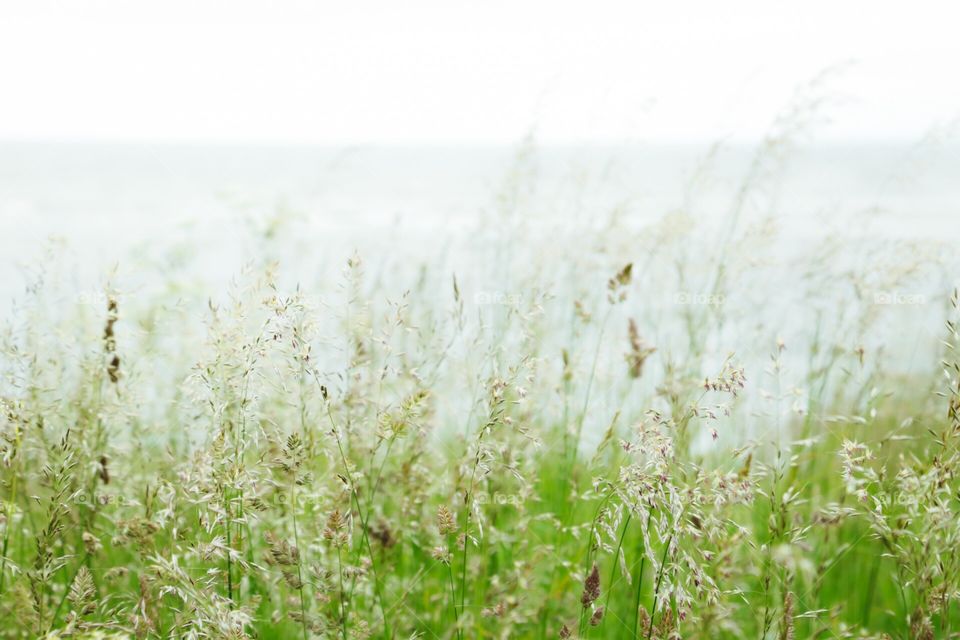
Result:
{"points": [[196, 215], [108, 201]]}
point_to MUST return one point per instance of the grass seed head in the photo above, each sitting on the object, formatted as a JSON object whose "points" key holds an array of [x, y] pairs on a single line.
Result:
{"points": [[591, 587]]}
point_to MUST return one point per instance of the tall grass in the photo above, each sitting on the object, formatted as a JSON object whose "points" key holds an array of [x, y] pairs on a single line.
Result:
{"points": [[623, 436]]}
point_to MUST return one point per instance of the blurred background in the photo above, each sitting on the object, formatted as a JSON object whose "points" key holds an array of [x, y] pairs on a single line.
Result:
{"points": [[129, 123], [176, 142]]}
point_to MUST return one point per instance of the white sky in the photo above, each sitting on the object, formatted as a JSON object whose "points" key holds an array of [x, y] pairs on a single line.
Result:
{"points": [[452, 72]]}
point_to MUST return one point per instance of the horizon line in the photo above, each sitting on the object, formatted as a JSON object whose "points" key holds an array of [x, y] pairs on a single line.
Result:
{"points": [[598, 143]]}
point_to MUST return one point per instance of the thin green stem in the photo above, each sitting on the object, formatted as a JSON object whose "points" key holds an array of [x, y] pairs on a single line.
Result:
{"points": [[453, 599], [616, 565], [343, 610], [639, 579], [296, 542], [656, 590]]}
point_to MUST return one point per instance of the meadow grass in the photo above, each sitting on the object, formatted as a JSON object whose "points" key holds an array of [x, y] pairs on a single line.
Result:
{"points": [[367, 457]]}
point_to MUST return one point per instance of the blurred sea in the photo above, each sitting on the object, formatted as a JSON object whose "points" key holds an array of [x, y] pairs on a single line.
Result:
{"points": [[180, 222], [108, 204]]}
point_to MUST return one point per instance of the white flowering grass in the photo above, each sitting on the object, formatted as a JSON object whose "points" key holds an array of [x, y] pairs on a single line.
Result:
{"points": [[623, 442]]}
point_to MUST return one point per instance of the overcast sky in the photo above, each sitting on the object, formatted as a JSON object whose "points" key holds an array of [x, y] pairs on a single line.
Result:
{"points": [[451, 72]]}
